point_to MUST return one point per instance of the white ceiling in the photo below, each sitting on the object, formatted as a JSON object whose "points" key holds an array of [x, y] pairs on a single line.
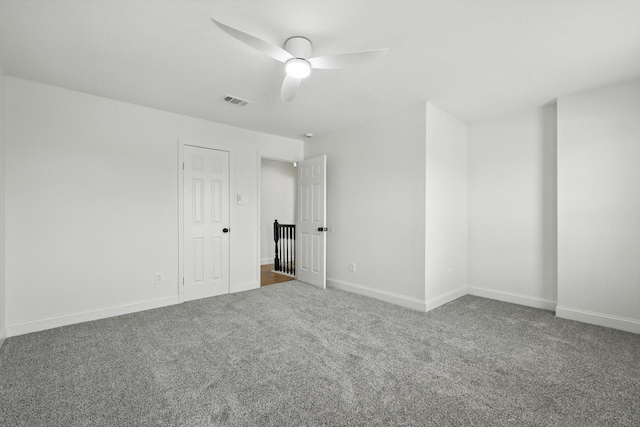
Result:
{"points": [[471, 58]]}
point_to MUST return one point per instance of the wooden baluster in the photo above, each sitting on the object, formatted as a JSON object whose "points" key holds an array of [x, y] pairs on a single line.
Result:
{"points": [[290, 254], [281, 245], [286, 243], [276, 237]]}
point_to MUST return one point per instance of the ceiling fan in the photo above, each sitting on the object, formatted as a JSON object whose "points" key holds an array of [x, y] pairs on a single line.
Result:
{"points": [[296, 57]]}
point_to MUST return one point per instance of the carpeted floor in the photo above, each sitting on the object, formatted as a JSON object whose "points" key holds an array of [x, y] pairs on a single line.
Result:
{"points": [[293, 355]]}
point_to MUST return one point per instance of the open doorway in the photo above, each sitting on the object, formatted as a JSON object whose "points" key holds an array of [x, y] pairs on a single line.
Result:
{"points": [[278, 184]]}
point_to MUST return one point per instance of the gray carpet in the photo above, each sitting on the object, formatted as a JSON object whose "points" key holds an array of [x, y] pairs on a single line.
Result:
{"points": [[293, 355]]}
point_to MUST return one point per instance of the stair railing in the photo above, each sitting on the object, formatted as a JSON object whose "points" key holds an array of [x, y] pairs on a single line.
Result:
{"points": [[284, 236]]}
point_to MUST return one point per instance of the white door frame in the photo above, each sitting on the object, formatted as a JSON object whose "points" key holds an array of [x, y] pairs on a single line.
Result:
{"points": [[259, 240], [200, 144]]}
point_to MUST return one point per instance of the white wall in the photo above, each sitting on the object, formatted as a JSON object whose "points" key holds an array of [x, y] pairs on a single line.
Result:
{"points": [[92, 203], [446, 208], [599, 206], [277, 201], [375, 204], [2, 216], [512, 207]]}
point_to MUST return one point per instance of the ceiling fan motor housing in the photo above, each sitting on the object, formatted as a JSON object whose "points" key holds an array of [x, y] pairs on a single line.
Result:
{"points": [[299, 47]]}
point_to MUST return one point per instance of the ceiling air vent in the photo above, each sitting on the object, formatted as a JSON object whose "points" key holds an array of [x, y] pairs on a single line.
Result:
{"points": [[235, 101]]}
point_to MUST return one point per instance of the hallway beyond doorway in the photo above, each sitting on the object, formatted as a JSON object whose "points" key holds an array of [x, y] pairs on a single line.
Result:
{"points": [[268, 277]]}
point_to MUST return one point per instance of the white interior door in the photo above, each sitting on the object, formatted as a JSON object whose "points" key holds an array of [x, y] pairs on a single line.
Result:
{"points": [[206, 222], [311, 229]]}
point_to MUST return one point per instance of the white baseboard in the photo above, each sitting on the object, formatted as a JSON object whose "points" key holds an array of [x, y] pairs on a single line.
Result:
{"points": [[409, 302], [265, 261], [244, 287], [55, 322], [514, 298], [445, 298], [3, 335], [600, 319], [284, 274]]}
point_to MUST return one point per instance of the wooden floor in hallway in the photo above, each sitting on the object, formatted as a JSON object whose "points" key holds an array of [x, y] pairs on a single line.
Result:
{"points": [[268, 277]]}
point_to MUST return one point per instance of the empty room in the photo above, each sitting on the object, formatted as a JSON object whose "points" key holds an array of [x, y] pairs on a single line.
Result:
{"points": [[301, 213]]}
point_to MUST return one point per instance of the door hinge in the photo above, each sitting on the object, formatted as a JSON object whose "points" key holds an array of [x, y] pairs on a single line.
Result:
{"points": [[182, 165], [183, 281]]}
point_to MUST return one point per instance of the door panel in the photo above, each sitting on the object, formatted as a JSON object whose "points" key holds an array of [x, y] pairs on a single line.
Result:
{"points": [[311, 217], [206, 213], [216, 264], [216, 197]]}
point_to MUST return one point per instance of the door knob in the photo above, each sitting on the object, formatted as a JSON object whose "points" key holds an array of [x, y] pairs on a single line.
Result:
{"points": [[225, 230], [322, 228]]}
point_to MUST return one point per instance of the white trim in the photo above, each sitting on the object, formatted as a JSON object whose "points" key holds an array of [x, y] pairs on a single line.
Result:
{"points": [[3, 335], [445, 298], [180, 221], [409, 302], [514, 298], [259, 217], [282, 273], [266, 261], [87, 316], [244, 287], [600, 319]]}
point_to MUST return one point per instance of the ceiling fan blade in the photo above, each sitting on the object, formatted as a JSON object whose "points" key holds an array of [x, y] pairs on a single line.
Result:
{"points": [[290, 87], [346, 60], [263, 46]]}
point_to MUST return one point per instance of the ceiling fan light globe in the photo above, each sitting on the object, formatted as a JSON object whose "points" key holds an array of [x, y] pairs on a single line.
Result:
{"points": [[298, 68]]}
